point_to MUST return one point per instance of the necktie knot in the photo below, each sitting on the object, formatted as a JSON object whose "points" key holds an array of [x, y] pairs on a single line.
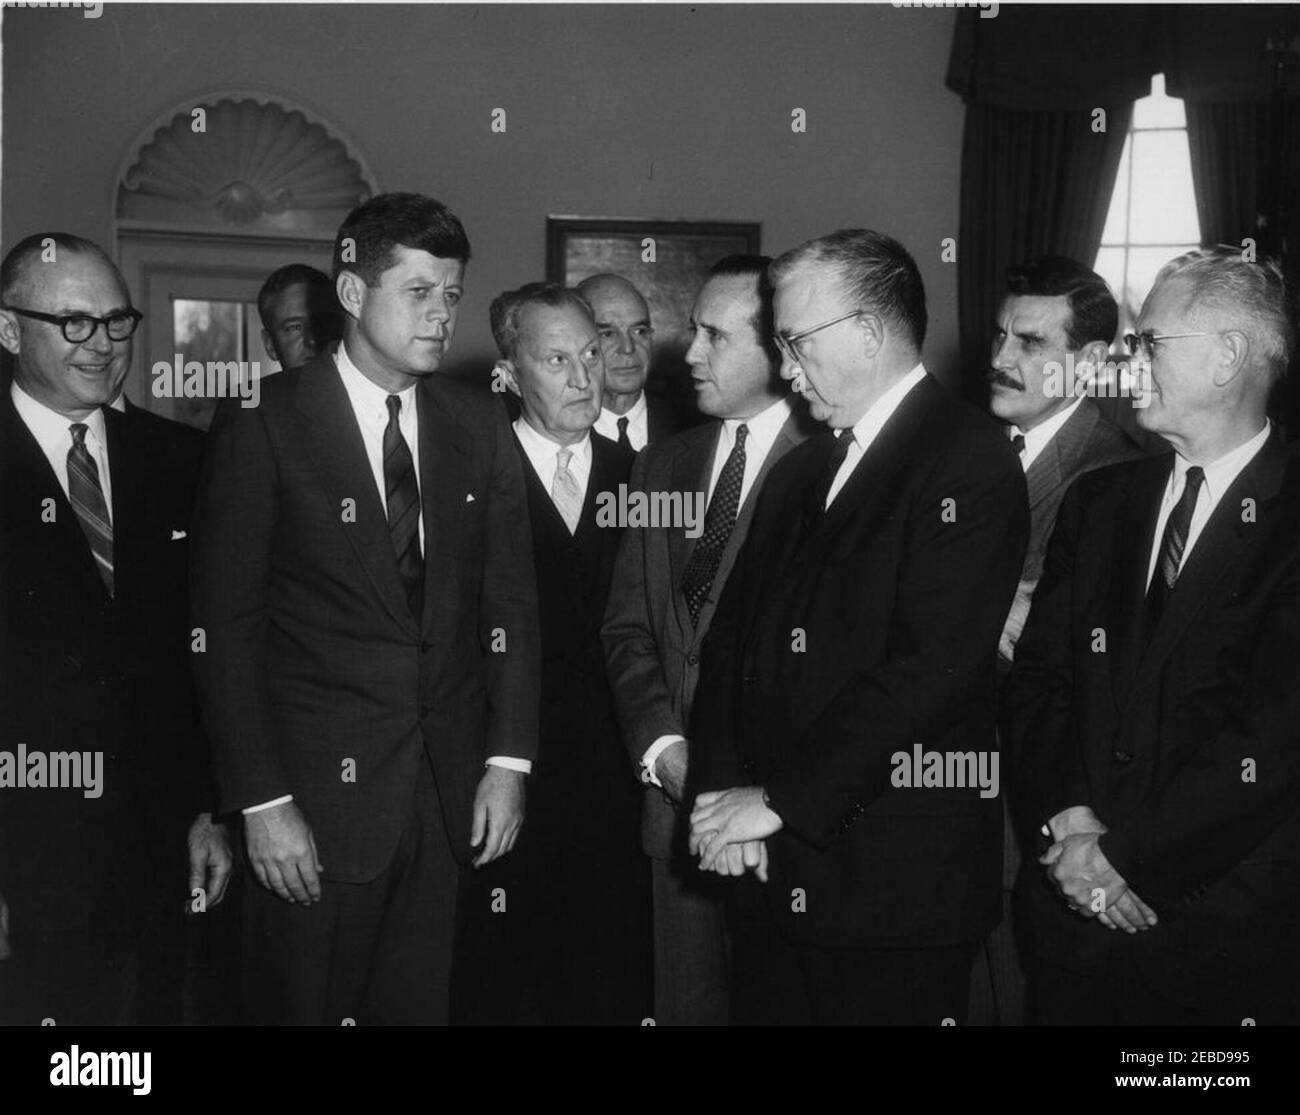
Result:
{"points": [[1018, 443], [563, 457], [742, 432], [394, 407], [79, 434], [1195, 478], [622, 426]]}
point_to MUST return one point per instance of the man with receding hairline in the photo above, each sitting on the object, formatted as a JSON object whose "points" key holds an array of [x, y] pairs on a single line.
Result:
{"points": [[628, 415], [1154, 703], [94, 659]]}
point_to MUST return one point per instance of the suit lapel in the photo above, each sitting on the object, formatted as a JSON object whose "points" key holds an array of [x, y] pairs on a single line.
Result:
{"points": [[1218, 550], [1062, 454], [334, 443], [1135, 525], [129, 484], [446, 486]]}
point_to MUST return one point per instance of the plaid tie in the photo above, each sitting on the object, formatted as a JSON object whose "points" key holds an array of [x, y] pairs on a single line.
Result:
{"points": [[403, 498], [719, 521], [87, 498], [565, 493], [1172, 545]]}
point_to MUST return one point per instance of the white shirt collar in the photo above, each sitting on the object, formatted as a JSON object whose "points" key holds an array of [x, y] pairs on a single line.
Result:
{"points": [[543, 452], [51, 429], [882, 410], [1037, 439], [1220, 474], [632, 414], [763, 427], [368, 398]]}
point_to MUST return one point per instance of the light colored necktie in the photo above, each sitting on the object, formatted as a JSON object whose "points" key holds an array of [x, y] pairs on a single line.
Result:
{"points": [[86, 495], [565, 493]]}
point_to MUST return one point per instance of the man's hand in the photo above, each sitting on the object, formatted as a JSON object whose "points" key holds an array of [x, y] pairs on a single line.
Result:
{"points": [[4, 928], [282, 852], [1079, 869], [211, 859], [736, 859], [670, 769], [724, 817], [1077, 819], [498, 813]]}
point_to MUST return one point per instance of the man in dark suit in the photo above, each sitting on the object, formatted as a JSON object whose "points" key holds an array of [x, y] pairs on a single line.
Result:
{"points": [[559, 934], [363, 575], [853, 652], [629, 415], [1154, 701], [666, 586], [1051, 345], [102, 766]]}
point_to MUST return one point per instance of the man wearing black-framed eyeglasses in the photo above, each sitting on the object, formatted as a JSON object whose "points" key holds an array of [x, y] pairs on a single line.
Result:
{"points": [[94, 660], [1153, 704]]}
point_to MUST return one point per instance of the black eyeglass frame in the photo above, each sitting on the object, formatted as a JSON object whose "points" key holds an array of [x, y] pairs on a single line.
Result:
{"points": [[63, 321]]}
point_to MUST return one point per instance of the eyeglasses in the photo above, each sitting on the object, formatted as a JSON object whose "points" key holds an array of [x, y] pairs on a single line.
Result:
{"points": [[79, 328], [1141, 343], [790, 345]]}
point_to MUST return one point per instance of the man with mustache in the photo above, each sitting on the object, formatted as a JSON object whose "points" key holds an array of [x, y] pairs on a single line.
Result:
{"points": [[94, 660], [628, 415], [559, 934], [1055, 310], [363, 576], [1154, 704]]}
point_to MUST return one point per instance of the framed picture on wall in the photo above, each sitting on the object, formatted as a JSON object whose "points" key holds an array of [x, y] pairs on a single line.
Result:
{"points": [[667, 261]]}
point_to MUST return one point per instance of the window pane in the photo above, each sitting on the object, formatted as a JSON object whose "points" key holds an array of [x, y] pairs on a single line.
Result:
{"points": [[1110, 266], [1164, 204], [1159, 110], [1116, 231]]}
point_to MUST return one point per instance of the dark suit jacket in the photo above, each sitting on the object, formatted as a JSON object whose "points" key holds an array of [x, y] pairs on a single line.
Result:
{"points": [[653, 649], [581, 789], [313, 656], [1088, 440], [1155, 741], [845, 637], [85, 671], [662, 421]]}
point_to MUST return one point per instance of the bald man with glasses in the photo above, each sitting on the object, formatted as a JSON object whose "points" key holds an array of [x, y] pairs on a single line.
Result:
{"points": [[98, 707]]}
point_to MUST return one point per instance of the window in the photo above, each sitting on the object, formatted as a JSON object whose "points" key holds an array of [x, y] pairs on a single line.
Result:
{"points": [[1152, 215], [212, 330]]}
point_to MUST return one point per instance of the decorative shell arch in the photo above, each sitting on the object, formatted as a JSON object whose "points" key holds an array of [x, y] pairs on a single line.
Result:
{"points": [[245, 164]]}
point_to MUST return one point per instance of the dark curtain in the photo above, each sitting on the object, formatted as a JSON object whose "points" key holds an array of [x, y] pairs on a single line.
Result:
{"points": [[1033, 183], [1228, 145]]}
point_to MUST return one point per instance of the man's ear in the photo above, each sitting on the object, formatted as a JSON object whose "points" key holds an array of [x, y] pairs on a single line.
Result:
{"points": [[872, 333], [1234, 356], [269, 344], [505, 371], [10, 332], [1089, 364], [351, 289]]}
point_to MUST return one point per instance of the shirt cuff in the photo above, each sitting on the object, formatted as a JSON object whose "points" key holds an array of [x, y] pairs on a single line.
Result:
{"points": [[523, 766], [266, 805], [652, 753]]}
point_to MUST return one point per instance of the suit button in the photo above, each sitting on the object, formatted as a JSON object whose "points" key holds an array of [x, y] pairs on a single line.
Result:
{"points": [[748, 766], [750, 679], [1122, 756], [692, 660]]}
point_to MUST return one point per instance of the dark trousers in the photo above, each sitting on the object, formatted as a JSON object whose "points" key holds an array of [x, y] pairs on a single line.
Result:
{"points": [[1061, 997], [378, 953], [778, 982], [556, 933]]}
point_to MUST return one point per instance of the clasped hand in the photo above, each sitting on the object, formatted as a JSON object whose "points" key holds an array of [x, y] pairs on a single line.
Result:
{"points": [[729, 830]]}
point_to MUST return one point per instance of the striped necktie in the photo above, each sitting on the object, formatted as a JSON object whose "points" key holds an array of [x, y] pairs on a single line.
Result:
{"points": [[565, 493], [1172, 545], [402, 494], [86, 495]]}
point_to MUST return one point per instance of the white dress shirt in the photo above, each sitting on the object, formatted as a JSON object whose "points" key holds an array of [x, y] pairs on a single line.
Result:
{"points": [[763, 430], [1038, 439], [53, 433], [370, 407], [542, 454], [1219, 477], [869, 425], [638, 423]]}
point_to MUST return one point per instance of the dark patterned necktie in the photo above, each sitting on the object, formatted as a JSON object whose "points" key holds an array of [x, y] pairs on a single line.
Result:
{"points": [[719, 521], [1172, 545], [623, 439], [1018, 444], [86, 495], [403, 498]]}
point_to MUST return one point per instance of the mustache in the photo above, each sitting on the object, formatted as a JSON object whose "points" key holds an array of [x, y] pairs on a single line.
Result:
{"points": [[1003, 380]]}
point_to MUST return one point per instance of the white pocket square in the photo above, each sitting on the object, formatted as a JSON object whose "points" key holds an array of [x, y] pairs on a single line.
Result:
{"points": [[177, 535], [469, 497]]}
